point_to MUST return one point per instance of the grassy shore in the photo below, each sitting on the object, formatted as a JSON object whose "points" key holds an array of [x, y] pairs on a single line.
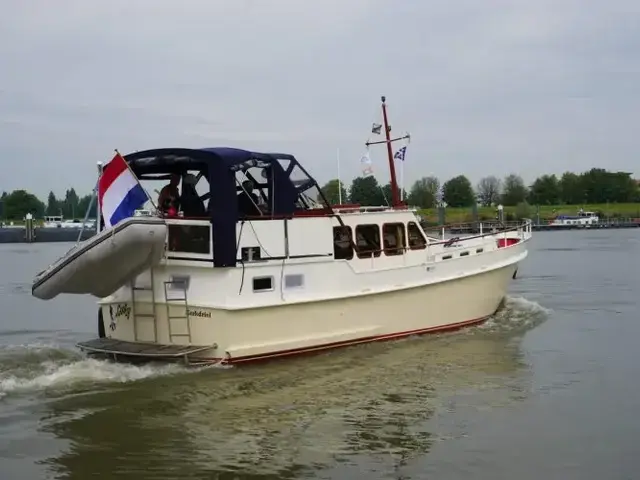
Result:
{"points": [[462, 215]]}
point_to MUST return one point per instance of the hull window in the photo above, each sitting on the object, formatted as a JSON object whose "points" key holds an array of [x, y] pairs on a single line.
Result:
{"points": [[294, 281], [368, 241], [342, 243], [263, 284], [416, 239], [393, 238]]}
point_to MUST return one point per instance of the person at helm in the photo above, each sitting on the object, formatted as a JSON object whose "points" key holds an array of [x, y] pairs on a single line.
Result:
{"points": [[247, 200], [169, 198]]}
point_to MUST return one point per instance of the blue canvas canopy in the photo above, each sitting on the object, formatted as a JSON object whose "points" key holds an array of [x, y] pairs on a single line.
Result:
{"points": [[220, 165]]}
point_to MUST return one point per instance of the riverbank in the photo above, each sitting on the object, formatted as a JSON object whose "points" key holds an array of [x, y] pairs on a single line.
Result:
{"points": [[17, 234], [544, 212]]}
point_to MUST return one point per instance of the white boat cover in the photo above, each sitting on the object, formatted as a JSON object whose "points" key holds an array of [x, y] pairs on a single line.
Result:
{"points": [[103, 263]]}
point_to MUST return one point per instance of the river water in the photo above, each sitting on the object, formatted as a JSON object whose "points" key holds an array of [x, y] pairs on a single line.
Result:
{"points": [[546, 389]]}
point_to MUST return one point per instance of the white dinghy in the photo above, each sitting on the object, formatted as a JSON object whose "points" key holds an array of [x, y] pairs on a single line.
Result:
{"points": [[105, 262]]}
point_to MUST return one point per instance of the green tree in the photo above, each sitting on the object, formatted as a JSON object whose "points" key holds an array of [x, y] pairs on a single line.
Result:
{"points": [[366, 191], [489, 190], [625, 187], [423, 192], [571, 189], [83, 205], [70, 204], [53, 205], [388, 198], [20, 202], [458, 192], [331, 191], [514, 190], [545, 190], [601, 186]]}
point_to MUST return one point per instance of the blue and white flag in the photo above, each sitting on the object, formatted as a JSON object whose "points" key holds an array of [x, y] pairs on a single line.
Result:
{"points": [[400, 153]]}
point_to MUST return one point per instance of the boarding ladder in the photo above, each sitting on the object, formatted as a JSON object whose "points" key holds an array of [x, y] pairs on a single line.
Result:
{"points": [[144, 315], [175, 294]]}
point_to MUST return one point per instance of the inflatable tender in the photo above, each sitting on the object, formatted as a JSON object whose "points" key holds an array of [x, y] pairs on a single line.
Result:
{"points": [[105, 262]]}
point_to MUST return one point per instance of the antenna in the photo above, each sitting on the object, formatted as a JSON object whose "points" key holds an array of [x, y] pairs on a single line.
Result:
{"points": [[395, 197]]}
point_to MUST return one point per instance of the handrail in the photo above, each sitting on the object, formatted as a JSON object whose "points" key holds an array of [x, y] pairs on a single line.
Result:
{"points": [[526, 225]]}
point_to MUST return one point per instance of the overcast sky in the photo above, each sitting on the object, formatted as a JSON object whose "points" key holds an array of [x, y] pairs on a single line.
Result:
{"points": [[484, 87]]}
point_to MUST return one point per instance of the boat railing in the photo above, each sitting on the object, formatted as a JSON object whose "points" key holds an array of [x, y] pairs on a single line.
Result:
{"points": [[476, 230], [357, 208]]}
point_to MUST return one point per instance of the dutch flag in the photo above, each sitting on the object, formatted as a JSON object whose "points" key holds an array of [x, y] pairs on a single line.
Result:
{"points": [[119, 192]]}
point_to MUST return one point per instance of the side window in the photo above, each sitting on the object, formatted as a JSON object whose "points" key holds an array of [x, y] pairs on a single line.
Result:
{"points": [[393, 238], [416, 239], [368, 241], [342, 243], [190, 238]]}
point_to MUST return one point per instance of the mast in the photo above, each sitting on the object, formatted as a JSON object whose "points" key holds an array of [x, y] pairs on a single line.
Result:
{"points": [[395, 200], [395, 195]]}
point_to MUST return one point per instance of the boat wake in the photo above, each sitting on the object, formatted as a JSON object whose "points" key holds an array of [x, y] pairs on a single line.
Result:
{"points": [[49, 368], [517, 314]]}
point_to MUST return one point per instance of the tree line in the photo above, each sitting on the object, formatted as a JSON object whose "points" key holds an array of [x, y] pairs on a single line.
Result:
{"points": [[595, 186], [16, 205]]}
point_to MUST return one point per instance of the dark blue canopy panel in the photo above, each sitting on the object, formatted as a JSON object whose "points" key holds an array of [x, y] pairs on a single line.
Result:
{"points": [[220, 165], [165, 160]]}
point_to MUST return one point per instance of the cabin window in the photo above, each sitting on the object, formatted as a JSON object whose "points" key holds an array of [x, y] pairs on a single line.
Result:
{"points": [[393, 238], [464, 254], [479, 250], [190, 238], [342, 243], [262, 284], [368, 241], [446, 257], [416, 238], [294, 281]]}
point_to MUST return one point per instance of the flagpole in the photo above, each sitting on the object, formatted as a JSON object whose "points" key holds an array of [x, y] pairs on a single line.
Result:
{"points": [[402, 180], [339, 182], [137, 180], [94, 194], [98, 208]]}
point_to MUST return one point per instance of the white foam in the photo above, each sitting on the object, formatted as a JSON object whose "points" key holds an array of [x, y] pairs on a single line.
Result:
{"points": [[517, 312], [55, 374]]}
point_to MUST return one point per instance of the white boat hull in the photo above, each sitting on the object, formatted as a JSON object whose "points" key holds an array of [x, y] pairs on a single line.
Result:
{"points": [[242, 335], [105, 262]]}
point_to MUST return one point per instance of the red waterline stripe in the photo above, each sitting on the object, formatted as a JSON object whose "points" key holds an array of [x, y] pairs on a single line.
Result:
{"points": [[347, 343]]}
